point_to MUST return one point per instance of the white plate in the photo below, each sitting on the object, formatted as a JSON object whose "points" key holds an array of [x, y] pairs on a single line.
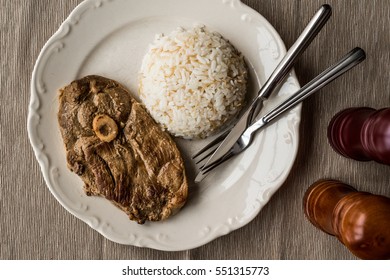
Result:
{"points": [[110, 38]]}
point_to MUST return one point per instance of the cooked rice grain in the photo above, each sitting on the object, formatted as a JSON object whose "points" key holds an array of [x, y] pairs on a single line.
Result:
{"points": [[192, 82]]}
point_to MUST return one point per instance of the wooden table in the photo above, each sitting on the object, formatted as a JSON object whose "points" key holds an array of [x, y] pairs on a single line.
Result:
{"points": [[33, 225]]}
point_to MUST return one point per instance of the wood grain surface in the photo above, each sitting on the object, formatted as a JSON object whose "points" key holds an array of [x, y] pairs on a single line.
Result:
{"points": [[33, 225]]}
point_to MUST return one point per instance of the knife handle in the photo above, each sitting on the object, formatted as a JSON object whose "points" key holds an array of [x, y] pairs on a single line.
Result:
{"points": [[350, 60], [285, 65], [303, 41]]}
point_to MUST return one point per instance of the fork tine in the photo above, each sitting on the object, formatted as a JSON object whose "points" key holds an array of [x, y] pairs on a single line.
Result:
{"points": [[211, 144], [204, 172], [218, 163], [205, 156]]}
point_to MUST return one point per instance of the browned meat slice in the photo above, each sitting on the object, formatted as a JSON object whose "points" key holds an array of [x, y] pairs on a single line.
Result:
{"points": [[119, 151]]}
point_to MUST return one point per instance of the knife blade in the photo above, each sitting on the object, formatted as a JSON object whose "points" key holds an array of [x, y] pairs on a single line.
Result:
{"points": [[350, 60], [277, 76]]}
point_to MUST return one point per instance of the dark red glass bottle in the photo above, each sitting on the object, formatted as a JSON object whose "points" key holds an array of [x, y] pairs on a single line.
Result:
{"points": [[362, 134]]}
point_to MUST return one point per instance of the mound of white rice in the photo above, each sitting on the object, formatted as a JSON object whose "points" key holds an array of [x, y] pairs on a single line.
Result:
{"points": [[192, 82]]}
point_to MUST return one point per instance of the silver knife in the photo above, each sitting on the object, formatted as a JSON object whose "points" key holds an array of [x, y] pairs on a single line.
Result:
{"points": [[350, 60], [280, 72]]}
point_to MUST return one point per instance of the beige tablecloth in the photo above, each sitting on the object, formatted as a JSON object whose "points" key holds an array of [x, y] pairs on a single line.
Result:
{"points": [[33, 225]]}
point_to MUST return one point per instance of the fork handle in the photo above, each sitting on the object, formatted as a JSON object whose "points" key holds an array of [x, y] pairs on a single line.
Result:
{"points": [[350, 60]]}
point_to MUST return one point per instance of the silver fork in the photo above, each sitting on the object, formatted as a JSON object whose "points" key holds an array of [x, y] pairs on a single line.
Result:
{"points": [[350, 60], [280, 72]]}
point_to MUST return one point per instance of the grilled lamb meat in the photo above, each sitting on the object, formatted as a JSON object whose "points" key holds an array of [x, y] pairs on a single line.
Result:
{"points": [[119, 151]]}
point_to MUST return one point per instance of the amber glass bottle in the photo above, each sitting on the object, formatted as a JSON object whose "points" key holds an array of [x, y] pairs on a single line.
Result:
{"points": [[360, 220]]}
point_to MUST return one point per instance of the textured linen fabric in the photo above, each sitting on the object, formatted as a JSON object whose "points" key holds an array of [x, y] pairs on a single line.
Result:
{"points": [[33, 225]]}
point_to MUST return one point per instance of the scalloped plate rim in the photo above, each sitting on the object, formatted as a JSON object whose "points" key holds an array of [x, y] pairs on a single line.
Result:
{"points": [[45, 167]]}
